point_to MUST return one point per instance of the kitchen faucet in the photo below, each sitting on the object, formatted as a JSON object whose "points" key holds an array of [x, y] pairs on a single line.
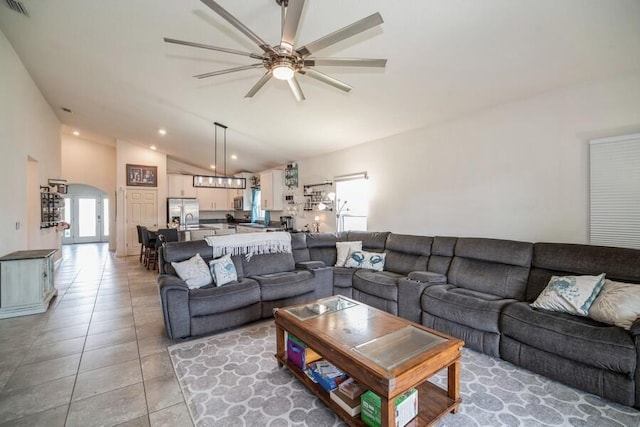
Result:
{"points": [[186, 219]]}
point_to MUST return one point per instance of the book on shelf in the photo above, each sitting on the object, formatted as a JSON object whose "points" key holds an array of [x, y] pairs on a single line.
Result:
{"points": [[351, 406], [351, 388]]}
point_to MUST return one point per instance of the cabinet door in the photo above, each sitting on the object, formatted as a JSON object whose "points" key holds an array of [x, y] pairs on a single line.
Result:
{"points": [[213, 199], [174, 185], [188, 190], [266, 190], [272, 190], [22, 282]]}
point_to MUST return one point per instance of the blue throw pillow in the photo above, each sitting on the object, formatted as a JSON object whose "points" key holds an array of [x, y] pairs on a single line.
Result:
{"points": [[223, 270]]}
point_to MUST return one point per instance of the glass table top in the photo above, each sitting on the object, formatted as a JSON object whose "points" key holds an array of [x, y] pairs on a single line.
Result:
{"points": [[330, 305], [391, 350]]}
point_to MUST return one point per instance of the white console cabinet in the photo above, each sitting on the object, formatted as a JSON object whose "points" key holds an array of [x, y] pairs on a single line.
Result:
{"points": [[26, 282]]}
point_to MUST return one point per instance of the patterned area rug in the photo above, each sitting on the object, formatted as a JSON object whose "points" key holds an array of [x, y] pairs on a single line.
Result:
{"points": [[232, 379]]}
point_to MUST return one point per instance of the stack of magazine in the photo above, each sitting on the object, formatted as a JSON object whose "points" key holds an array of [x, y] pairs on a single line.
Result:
{"points": [[347, 396]]}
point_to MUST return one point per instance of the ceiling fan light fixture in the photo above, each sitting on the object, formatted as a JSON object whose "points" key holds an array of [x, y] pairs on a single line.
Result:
{"points": [[282, 72]]}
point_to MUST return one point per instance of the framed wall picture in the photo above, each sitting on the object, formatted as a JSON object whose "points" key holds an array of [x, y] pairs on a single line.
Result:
{"points": [[142, 176]]}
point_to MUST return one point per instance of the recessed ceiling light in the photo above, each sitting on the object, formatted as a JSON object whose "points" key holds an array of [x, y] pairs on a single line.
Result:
{"points": [[153, 147], [234, 157], [162, 132], [212, 166], [76, 133]]}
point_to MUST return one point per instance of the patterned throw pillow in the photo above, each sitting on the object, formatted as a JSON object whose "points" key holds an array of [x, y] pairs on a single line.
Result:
{"points": [[343, 249], [223, 270], [617, 304], [570, 294], [362, 259], [193, 271]]}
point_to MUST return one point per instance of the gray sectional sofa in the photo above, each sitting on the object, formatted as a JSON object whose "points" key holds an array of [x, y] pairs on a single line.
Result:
{"points": [[476, 289]]}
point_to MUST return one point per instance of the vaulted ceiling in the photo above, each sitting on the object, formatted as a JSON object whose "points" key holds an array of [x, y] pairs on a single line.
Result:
{"points": [[106, 62]]}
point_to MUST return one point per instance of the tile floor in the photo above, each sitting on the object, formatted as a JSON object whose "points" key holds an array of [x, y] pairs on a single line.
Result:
{"points": [[97, 356]]}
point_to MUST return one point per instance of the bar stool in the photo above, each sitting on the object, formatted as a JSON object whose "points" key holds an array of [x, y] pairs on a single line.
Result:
{"points": [[139, 228], [150, 253], [165, 235]]}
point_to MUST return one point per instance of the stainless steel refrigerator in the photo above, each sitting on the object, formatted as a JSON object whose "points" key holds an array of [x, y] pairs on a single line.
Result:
{"points": [[185, 211]]}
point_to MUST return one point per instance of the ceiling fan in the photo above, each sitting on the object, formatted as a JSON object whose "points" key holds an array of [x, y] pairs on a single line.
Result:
{"points": [[282, 61]]}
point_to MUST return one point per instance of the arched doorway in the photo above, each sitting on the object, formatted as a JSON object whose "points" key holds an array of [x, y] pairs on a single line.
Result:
{"points": [[87, 211]]}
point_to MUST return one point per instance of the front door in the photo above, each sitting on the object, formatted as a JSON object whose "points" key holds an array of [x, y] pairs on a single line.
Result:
{"points": [[142, 209], [88, 216]]}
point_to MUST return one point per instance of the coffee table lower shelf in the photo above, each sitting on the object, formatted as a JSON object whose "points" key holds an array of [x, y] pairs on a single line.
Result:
{"points": [[433, 402]]}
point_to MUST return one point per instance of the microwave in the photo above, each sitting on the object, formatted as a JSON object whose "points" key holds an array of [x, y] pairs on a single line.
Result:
{"points": [[238, 203]]}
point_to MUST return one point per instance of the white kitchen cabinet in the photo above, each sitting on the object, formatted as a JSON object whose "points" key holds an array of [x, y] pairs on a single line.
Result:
{"points": [[213, 199], [26, 282], [180, 185], [272, 190]]}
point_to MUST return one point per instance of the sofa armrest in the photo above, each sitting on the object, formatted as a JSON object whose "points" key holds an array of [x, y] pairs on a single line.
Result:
{"points": [[427, 277], [174, 296], [309, 265], [323, 281], [634, 330], [409, 295]]}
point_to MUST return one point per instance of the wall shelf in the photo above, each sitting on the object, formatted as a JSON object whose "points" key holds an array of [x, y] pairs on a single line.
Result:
{"points": [[316, 194], [51, 207]]}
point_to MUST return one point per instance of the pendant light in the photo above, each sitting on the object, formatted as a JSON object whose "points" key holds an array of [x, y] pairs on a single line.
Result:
{"points": [[219, 181]]}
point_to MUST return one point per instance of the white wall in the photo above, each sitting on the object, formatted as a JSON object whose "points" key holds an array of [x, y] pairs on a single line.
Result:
{"points": [[28, 129], [129, 153], [92, 163], [517, 171]]}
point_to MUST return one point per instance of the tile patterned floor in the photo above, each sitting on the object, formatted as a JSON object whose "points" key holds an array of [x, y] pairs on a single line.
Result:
{"points": [[97, 357]]}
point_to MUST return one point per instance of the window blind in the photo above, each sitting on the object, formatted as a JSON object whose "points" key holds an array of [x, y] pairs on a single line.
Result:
{"points": [[615, 191]]}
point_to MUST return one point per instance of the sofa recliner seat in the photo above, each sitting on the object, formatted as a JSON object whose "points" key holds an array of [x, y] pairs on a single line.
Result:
{"points": [[403, 254], [484, 277], [599, 358]]}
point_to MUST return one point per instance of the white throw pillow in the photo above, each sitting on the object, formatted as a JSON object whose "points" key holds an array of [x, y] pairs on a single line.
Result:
{"points": [[362, 259], [570, 294], [617, 304], [193, 271], [223, 270], [343, 249]]}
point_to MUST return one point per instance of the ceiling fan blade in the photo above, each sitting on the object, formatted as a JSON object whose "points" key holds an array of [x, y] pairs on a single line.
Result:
{"points": [[206, 46], [326, 79], [292, 20], [296, 89], [239, 25], [345, 62], [263, 80], [228, 70], [341, 34]]}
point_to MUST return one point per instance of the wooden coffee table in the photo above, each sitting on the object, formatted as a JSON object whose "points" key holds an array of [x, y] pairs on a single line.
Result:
{"points": [[388, 354]]}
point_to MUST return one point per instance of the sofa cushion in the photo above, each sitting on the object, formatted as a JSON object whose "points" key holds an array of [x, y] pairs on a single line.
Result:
{"points": [[285, 284], [322, 246], [499, 267], [299, 247], [571, 337], [233, 295], [406, 253], [442, 251], [570, 294], [467, 307], [383, 284], [343, 277], [562, 259], [617, 304], [373, 241], [267, 263]]}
